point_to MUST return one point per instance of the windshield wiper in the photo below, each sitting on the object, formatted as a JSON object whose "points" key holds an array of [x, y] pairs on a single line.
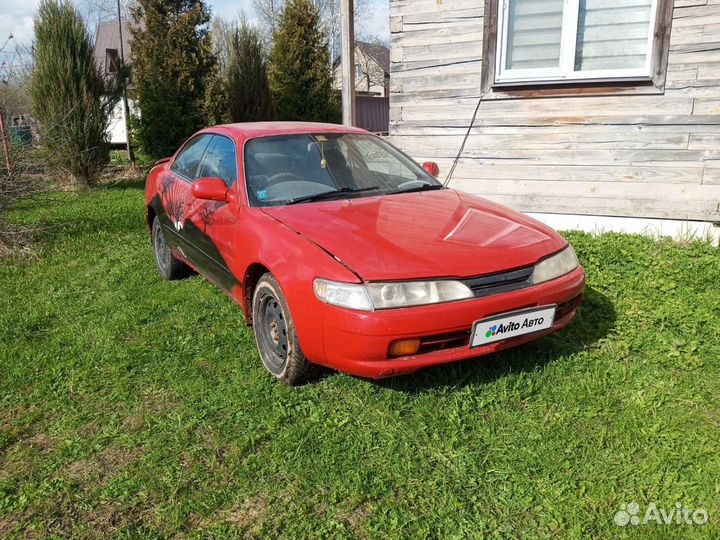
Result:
{"points": [[334, 194], [424, 187]]}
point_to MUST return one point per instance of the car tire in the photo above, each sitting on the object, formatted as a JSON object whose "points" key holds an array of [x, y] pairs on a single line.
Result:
{"points": [[169, 267], [276, 336]]}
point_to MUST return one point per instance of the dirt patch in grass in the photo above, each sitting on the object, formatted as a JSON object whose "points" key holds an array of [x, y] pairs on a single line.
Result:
{"points": [[102, 465], [133, 423], [11, 524], [246, 515], [12, 427], [17, 456], [101, 521], [41, 442], [12, 414], [106, 518], [356, 517]]}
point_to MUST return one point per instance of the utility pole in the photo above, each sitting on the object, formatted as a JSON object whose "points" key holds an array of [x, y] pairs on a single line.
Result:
{"points": [[126, 109], [347, 28]]}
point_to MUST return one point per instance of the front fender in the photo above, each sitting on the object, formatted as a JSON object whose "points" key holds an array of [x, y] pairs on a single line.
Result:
{"points": [[295, 261]]}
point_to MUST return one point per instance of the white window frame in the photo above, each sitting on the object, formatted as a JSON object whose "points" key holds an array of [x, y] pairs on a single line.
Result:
{"points": [[566, 70]]}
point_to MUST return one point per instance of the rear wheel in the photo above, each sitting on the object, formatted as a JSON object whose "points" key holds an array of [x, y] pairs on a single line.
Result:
{"points": [[276, 337], [168, 265]]}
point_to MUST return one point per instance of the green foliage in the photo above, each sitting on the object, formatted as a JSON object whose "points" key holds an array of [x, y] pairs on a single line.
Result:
{"points": [[300, 74], [71, 99], [134, 407], [248, 91], [173, 66], [216, 99]]}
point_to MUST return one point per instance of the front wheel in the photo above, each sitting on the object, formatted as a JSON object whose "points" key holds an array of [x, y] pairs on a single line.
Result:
{"points": [[276, 336]]}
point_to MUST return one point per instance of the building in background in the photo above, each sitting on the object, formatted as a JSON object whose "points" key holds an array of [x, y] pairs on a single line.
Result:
{"points": [[372, 70], [372, 85], [107, 59]]}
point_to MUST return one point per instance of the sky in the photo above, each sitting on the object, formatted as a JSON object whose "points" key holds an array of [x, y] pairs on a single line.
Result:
{"points": [[16, 18]]}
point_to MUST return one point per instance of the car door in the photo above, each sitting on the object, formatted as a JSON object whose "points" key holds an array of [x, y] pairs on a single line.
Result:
{"points": [[175, 194], [209, 225]]}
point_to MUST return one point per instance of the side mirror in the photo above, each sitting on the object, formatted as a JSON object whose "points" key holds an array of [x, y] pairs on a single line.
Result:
{"points": [[211, 189], [431, 167]]}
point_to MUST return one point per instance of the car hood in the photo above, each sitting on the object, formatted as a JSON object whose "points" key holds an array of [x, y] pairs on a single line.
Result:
{"points": [[442, 233]]}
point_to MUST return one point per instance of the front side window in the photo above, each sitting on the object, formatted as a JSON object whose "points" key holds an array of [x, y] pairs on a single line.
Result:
{"points": [[556, 40], [188, 160], [287, 169], [220, 160]]}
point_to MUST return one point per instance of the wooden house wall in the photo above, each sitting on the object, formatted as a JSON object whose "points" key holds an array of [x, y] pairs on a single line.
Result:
{"points": [[617, 155]]}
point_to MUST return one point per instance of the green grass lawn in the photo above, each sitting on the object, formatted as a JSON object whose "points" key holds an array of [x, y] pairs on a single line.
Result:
{"points": [[132, 407]]}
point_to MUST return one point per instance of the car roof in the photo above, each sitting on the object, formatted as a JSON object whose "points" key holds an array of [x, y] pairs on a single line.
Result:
{"points": [[263, 129]]}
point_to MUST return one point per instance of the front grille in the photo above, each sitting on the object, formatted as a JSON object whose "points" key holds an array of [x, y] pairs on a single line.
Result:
{"points": [[500, 282]]}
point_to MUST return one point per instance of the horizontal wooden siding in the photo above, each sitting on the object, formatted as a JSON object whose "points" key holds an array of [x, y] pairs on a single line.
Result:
{"points": [[620, 155]]}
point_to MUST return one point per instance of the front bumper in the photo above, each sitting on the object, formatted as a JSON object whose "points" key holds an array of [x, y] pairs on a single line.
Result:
{"points": [[358, 342]]}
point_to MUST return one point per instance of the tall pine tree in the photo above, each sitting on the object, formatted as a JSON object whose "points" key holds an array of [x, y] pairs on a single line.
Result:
{"points": [[247, 83], [72, 101], [172, 64], [300, 74]]}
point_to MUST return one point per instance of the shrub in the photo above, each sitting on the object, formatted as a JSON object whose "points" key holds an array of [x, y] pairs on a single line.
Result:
{"points": [[248, 92], [173, 66], [72, 101], [300, 74]]}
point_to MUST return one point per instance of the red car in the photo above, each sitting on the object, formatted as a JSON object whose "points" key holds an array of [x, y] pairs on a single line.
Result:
{"points": [[343, 252]]}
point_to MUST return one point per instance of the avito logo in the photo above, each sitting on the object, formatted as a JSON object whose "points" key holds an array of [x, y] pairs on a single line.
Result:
{"points": [[513, 326], [502, 328]]}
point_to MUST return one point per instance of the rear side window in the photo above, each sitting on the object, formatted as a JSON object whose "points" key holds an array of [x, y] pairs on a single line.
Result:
{"points": [[188, 160], [220, 160]]}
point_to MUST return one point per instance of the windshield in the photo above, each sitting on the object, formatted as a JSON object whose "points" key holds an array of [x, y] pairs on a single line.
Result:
{"points": [[289, 169]]}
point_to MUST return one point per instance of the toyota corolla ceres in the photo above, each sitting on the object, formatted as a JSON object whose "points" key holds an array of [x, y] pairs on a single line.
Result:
{"points": [[343, 252]]}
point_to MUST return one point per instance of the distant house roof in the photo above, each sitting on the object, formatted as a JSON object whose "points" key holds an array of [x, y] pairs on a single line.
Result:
{"points": [[376, 51], [108, 37]]}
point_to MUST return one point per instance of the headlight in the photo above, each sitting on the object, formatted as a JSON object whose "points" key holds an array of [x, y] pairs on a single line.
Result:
{"points": [[416, 293], [555, 266], [389, 295], [349, 295]]}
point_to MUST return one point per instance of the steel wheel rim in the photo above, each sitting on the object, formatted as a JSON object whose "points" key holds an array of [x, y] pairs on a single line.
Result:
{"points": [[161, 249], [272, 333]]}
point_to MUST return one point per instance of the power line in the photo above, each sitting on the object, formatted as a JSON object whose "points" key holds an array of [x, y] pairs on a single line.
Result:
{"points": [[464, 142]]}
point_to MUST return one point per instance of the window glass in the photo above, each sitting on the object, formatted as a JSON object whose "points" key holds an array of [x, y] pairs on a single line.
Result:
{"points": [[602, 43], [555, 40], [220, 160], [379, 160], [283, 168], [534, 33], [186, 164], [111, 61]]}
